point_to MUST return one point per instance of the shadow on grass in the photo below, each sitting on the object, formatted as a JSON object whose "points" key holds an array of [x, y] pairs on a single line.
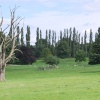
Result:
{"points": [[91, 72]]}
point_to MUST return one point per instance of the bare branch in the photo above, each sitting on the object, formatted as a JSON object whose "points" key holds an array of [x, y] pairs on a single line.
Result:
{"points": [[18, 50], [17, 45], [8, 42], [1, 21], [15, 58]]}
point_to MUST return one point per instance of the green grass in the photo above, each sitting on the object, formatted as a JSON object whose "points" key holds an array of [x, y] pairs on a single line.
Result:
{"points": [[68, 82]]}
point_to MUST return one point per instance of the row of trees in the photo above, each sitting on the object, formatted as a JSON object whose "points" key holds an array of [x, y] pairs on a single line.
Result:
{"points": [[63, 46], [66, 44]]}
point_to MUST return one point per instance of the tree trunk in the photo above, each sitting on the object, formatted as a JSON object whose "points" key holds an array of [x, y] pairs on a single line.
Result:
{"points": [[2, 68], [2, 74]]}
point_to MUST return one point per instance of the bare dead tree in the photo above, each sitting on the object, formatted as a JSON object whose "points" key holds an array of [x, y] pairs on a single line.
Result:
{"points": [[7, 40]]}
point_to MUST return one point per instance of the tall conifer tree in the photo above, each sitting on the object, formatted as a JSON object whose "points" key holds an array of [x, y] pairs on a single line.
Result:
{"points": [[28, 37], [82, 48], [73, 43], [37, 37], [65, 33], [70, 41], [85, 42], [53, 41], [18, 32], [46, 38], [49, 38], [22, 36], [90, 41], [60, 35], [40, 38]]}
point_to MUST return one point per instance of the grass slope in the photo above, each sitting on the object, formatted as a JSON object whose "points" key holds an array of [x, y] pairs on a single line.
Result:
{"points": [[68, 82]]}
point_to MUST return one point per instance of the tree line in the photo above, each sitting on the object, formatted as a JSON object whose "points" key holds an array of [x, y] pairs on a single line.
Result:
{"points": [[65, 45]]}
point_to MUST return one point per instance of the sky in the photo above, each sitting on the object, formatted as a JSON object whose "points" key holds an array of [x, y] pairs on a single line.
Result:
{"points": [[54, 14]]}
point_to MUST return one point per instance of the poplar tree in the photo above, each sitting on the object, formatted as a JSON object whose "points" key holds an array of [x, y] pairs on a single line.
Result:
{"points": [[67, 37], [96, 36], [73, 43], [40, 38], [49, 38], [37, 37], [70, 42], [90, 41], [60, 35], [65, 32], [79, 41], [18, 32], [28, 37], [53, 42], [55, 38], [85, 42], [22, 37], [82, 48], [46, 38]]}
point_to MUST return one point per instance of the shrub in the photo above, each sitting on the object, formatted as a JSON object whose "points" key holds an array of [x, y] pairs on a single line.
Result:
{"points": [[62, 50], [80, 56], [94, 59], [45, 53], [26, 57], [51, 60]]}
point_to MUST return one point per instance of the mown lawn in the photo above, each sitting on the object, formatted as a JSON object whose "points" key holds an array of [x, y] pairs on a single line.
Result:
{"points": [[67, 82]]}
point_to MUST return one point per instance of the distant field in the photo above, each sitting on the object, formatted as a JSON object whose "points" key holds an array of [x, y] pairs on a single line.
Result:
{"points": [[67, 82]]}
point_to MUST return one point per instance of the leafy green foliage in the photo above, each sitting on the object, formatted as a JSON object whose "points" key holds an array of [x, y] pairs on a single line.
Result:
{"points": [[94, 57], [41, 45], [28, 37], [45, 53], [26, 57], [80, 56], [62, 49], [51, 60]]}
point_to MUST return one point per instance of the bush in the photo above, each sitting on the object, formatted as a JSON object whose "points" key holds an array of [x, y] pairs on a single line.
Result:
{"points": [[26, 57], [94, 59], [80, 56], [45, 53], [62, 50], [51, 60]]}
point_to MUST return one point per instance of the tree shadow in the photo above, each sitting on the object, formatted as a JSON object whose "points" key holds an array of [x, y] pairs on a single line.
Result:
{"points": [[91, 72]]}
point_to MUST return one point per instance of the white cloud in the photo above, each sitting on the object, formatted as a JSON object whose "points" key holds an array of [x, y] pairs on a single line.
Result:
{"points": [[58, 21], [92, 6], [48, 3], [16, 0]]}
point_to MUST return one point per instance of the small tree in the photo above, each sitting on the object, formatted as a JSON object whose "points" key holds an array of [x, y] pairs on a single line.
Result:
{"points": [[80, 56], [52, 60], [26, 57], [62, 50], [94, 57], [45, 53]]}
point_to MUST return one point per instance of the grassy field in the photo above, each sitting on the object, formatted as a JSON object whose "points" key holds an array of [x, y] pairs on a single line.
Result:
{"points": [[67, 82]]}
